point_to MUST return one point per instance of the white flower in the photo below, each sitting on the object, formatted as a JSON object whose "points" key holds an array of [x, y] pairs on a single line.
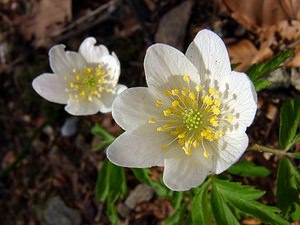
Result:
{"points": [[192, 117], [85, 81]]}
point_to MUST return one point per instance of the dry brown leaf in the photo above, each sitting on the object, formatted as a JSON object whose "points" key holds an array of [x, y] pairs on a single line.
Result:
{"points": [[245, 53], [45, 20]]}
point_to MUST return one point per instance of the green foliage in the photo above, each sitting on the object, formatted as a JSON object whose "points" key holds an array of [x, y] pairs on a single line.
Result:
{"points": [[111, 185], [97, 130], [230, 199], [257, 72], [289, 121], [248, 169], [201, 211], [287, 190]]}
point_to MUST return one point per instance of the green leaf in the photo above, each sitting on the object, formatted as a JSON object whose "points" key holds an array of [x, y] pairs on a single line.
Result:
{"points": [[257, 71], [107, 137], [289, 121], [287, 190], [242, 198], [111, 182], [295, 155], [142, 175], [222, 213], [201, 212], [248, 169], [295, 141], [112, 214]]}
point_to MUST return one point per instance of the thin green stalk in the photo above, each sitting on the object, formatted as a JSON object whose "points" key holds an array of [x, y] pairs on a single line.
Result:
{"points": [[25, 151], [261, 148]]}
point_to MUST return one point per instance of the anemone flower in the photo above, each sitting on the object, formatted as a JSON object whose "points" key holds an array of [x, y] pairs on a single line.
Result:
{"points": [[191, 118], [86, 81]]}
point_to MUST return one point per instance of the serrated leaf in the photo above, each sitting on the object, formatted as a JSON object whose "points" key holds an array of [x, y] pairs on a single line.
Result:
{"points": [[289, 121], [201, 212], [221, 211], [257, 71], [287, 190], [243, 198], [248, 169], [108, 187], [239, 190]]}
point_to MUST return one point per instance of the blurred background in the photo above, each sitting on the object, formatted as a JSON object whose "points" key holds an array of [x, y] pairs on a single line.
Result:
{"points": [[47, 159]]}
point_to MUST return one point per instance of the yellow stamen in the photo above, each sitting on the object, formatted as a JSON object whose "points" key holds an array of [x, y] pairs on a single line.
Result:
{"points": [[158, 102], [151, 120]]}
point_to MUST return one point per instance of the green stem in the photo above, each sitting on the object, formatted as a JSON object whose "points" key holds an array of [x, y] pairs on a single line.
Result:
{"points": [[25, 151], [261, 148]]}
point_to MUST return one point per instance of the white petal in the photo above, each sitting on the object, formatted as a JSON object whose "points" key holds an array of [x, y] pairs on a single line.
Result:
{"points": [[246, 102], [51, 87], [186, 172], [91, 52], [113, 65], [83, 108], [134, 107], [136, 149], [228, 150], [62, 62], [209, 55], [162, 63], [108, 98]]}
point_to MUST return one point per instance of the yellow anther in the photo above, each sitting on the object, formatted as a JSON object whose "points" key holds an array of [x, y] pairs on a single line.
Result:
{"points": [[211, 91], [77, 77], [229, 118], [199, 88], [205, 154], [217, 103], [170, 122], [67, 90], [216, 110], [181, 141], [208, 101], [151, 120], [175, 103], [90, 98], [186, 78], [82, 92], [158, 102], [168, 93], [71, 84], [187, 150], [216, 95], [195, 144], [167, 112], [160, 129], [185, 91], [74, 70], [164, 147], [192, 95], [175, 92], [182, 135]]}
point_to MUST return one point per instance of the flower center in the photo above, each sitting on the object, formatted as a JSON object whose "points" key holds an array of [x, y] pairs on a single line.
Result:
{"points": [[195, 115], [89, 82], [192, 119]]}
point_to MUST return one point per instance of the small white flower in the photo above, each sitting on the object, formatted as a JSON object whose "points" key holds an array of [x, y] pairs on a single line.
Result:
{"points": [[86, 81], [192, 117]]}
